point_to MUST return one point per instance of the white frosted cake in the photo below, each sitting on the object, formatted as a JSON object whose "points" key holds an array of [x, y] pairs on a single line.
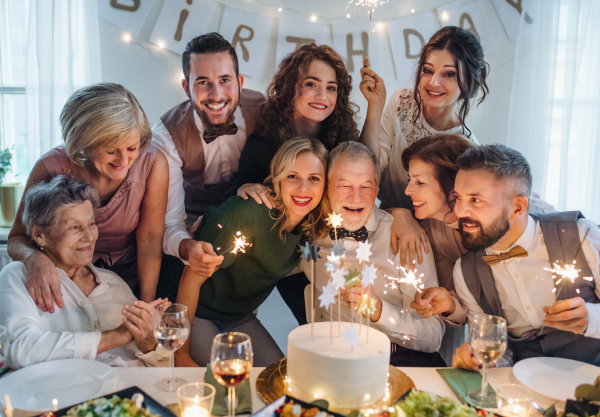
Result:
{"points": [[345, 378]]}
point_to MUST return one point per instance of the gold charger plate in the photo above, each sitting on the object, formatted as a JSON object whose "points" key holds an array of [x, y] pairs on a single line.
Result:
{"points": [[270, 384]]}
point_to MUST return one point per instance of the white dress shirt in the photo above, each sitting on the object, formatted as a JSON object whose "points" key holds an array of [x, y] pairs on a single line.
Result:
{"points": [[71, 332], [398, 321], [222, 157], [524, 286]]}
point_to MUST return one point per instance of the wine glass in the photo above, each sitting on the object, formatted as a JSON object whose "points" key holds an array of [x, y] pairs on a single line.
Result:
{"points": [[171, 330], [231, 360], [487, 337]]}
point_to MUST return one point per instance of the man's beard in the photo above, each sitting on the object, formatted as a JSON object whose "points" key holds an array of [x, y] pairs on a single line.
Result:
{"points": [[355, 223], [474, 242], [219, 128]]}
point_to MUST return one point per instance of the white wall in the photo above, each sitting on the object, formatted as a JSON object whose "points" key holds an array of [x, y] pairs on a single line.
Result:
{"points": [[154, 76]]}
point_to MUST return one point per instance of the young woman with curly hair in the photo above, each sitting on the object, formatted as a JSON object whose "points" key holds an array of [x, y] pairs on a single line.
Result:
{"points": [[309, 96], [450, 73]]}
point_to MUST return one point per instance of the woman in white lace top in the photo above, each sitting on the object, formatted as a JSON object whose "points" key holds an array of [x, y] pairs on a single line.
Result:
{"points": [[450, 73]]}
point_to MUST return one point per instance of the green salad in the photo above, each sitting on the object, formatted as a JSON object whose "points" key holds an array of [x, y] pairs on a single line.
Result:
{"points": [[423, 404], [113, 407]]}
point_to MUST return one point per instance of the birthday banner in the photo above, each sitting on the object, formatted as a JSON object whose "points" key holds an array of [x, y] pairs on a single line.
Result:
{"points": [[251, 33]]}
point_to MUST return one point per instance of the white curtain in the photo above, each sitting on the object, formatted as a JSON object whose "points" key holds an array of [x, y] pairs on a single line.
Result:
{"points": [[555, 106], [63, 55]]}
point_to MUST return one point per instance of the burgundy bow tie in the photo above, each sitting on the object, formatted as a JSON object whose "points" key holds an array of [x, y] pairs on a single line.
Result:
{"points": [[210, 136]]}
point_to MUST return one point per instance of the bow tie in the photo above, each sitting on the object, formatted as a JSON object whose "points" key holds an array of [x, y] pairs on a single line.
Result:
{"points": [[516, 252], [359, 235], [210, 136]]}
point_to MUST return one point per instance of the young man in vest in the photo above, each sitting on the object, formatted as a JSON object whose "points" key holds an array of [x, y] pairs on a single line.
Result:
{"points": [[506, 271], [202, 139], [352, 183]]}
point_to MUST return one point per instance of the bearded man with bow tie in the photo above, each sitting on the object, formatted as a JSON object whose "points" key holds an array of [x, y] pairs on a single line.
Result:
{"points": [[507, 271], [202, 139], [352, 182]]}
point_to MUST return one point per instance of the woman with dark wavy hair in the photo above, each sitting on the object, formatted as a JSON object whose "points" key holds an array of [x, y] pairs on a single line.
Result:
{"points": [[309, 96], [450, 74]]}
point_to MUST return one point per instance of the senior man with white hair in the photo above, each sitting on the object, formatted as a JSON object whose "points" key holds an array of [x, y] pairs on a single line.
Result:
{"points": [[352, 185]]}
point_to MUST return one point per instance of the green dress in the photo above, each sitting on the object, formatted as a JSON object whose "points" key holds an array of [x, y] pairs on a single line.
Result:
{"points": [[244, 280]]}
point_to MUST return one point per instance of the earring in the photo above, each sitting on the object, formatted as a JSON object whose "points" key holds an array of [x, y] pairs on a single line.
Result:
{"points": [[42, 248]]}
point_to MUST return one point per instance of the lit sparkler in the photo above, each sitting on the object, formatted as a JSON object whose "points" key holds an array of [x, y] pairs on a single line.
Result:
{"points": [[410, 277], [239, 244], [371, 4]]}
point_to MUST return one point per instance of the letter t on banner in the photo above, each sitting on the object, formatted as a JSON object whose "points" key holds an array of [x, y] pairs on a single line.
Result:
{"points": [[292, 35], [250, 35], [354, 43]]}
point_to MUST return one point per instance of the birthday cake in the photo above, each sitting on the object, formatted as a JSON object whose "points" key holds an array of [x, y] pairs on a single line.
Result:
{"points": [[325, 367]]}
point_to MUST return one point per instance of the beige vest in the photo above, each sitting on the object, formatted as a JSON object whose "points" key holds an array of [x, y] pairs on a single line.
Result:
{"points": [[180, 123]]}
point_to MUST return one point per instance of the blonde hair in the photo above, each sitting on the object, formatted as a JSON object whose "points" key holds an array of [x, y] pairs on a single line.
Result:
{"points": [[98, 117], [281, 165]]}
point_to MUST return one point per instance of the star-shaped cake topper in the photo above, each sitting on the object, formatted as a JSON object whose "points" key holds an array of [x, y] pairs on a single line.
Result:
{"points": [[337, 277], [367, 304], [351, 336], [352, 278], [328, 296], [310, 252], [369, 275], [338, 248], [364, 251], [332, 262], [334, 220]]}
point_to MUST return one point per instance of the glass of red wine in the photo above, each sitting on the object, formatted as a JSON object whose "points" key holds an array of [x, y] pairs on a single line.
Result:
{"points": [[171, 330], [231, 360]]}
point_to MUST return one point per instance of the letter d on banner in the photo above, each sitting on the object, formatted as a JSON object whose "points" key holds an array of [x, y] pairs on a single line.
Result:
{"points": [[408, 35]]}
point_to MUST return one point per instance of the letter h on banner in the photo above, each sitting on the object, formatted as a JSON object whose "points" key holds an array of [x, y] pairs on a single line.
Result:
{"points": [[355, 43]]}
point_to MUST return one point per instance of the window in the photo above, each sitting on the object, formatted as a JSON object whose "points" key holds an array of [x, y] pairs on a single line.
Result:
{"points": [[13, 103]]}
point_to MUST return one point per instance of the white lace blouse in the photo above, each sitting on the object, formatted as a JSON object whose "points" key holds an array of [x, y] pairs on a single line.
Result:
{"points": [[397, 133]]}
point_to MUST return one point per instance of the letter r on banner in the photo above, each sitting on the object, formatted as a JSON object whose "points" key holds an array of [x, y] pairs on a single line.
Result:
{"points": [[364, 36], [237, 38]]}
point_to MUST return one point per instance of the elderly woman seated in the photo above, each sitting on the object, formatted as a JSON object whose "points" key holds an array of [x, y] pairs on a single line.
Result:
{"points": [[101, 316]]}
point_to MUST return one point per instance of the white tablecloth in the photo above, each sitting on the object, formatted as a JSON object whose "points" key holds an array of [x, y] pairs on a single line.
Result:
{"points": [[426, 379]]}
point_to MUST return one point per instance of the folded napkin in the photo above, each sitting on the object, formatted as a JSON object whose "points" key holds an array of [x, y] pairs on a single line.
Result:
{"points": [[461, 382], [242, 393]]}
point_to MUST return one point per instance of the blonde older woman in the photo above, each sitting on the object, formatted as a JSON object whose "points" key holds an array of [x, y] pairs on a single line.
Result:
{"points": [[107, 145], [100, 316]]}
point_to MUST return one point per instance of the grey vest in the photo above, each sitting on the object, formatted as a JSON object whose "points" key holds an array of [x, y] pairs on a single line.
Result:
{"points": [[181, 125], [561, 236]]}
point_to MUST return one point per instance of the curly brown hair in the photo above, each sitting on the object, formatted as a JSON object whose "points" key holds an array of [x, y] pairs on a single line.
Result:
{"points": [[278, 110]]}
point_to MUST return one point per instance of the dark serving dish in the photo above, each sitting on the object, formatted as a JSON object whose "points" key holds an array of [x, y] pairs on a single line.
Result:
{"points": [[269, 410]]}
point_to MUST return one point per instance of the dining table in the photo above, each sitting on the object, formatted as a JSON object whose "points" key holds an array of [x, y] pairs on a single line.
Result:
{"points": [[426, 379]]}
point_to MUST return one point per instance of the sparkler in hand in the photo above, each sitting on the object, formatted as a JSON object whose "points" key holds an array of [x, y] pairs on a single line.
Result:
{"points": [[239, 244], [410, 277]]}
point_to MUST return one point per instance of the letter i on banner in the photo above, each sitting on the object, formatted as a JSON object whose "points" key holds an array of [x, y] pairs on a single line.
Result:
{"points": [[471, 16], [408, 36], [354, 43], [129, 15], [180, 21], [250, 35]]}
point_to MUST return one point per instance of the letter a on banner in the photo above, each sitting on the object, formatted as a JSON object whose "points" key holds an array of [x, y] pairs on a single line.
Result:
{"points": [[250, 35], [129, 15], [354, 43], [180, 21], [408, 36], [292, 35], [469, 15]]}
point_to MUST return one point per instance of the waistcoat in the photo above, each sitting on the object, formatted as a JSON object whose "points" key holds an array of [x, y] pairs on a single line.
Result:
{"points": [[561, 237]]}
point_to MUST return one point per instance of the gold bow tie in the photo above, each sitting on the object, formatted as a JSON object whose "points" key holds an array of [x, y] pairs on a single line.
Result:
{"points": [[516, 252]]}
